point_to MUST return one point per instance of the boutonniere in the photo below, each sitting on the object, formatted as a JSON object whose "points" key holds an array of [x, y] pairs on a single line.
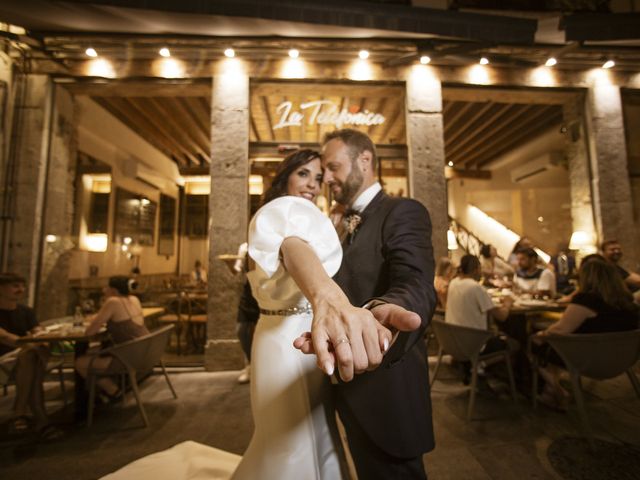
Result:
{"points": [[353, 221]]}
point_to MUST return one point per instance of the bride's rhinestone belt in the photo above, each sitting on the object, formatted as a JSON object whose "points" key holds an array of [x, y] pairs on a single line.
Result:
{"points": [[285, 312]]}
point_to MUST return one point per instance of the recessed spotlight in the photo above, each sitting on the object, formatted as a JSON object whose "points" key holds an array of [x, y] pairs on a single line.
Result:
{"points": [[450, 163], [609, 64], [294, 53], [91, 52], [425, 59], [363, 54], [550, 62], [164, 52], [229, 53], [541, 219], [484, 61]]}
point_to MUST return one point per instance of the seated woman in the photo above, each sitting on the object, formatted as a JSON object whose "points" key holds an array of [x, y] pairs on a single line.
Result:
{"points": [[494, 269], [123, 317], [444, 273], [602, 304]]}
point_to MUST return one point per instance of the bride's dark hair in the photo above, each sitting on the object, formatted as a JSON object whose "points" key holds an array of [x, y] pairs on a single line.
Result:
{"points": [[289, 165]]}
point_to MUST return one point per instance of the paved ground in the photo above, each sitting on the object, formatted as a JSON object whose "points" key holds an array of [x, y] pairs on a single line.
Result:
{"points": [[504, 441]]}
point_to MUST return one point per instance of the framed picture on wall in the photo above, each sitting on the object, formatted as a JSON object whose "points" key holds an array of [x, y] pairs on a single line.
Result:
{"points": [[135, 218]]}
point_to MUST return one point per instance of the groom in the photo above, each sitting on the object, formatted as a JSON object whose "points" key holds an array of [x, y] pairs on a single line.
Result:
{"points": [[387, 267]]}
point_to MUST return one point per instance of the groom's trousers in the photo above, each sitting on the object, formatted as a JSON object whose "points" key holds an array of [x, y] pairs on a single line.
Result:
{"points": [[373, 463]]}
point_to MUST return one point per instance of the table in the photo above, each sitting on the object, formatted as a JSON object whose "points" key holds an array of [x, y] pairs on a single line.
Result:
{"points": [[69, 333]]}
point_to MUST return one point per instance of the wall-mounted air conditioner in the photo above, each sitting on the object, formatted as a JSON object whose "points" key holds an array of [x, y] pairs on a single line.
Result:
{"points": [[537, 166]]}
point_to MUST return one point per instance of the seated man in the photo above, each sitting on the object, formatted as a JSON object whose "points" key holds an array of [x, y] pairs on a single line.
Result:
{"points": [[199, 275], [468, 305], [26, 364], [612, 251], [530, 277]]}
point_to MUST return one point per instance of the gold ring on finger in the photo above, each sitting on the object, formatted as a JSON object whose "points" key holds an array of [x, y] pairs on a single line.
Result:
{"points": [[341, 340]]}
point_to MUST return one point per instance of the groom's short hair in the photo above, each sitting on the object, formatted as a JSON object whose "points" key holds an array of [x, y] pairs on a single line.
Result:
{"points": [[357, 142]]}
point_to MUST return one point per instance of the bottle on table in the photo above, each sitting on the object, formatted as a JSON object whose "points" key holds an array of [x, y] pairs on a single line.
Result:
{"points": [[78, 317]]}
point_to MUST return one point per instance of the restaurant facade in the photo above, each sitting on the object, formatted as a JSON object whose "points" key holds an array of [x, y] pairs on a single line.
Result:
{"points": [[141, 160]]}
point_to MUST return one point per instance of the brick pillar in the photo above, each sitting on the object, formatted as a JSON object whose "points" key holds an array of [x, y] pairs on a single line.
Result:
{"points": [[577, 155], [228, 213], [31, 144], [425, 144], [611, 187]]}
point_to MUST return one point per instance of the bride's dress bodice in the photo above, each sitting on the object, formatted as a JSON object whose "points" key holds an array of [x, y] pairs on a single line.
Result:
{"points": [[284, 217]]}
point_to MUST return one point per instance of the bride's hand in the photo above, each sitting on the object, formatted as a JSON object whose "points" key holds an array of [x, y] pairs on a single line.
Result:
{"points": [[345, 336]]}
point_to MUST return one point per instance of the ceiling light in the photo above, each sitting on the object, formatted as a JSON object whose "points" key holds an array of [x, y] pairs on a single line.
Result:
{"points": [[91, 52], [550, 62], [229, 53], [609, 64], [363, 54], [484, 61], [293, 53], [450, 163], [424, 59], [164, 52]]}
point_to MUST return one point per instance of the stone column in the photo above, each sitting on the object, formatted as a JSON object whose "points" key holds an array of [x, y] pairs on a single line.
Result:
{"points": [[31, 144], [228, 213], [610, 174], [53, 286], [577, 156], [425, 144]]}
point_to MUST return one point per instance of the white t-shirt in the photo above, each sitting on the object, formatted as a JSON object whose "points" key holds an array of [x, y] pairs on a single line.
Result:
{"points": [[467, 304], [546, 281]]}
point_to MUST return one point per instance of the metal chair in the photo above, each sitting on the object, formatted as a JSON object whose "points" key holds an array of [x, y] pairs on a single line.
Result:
{"points": [[597, 355], [130, 358], [465, 344]]}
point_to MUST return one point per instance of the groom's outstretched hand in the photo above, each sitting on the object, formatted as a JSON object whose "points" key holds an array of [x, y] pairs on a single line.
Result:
{"points": [[390, 317]]}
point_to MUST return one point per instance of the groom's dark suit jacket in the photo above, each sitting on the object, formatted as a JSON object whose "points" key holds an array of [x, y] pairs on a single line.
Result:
{"points": [[390, 257]]}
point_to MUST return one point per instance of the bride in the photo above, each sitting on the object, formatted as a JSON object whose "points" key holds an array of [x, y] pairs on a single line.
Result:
{"points": [[296, 250]]}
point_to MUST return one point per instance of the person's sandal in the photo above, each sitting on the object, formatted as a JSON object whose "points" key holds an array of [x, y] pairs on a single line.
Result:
{"points": [[50, 432], [21, 424]]}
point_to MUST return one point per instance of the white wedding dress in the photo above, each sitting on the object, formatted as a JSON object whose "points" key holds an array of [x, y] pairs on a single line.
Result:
{"points": [[295, 435]]}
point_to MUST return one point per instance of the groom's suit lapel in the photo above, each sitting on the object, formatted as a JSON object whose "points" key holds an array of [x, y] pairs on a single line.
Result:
{"points": [[368, 212]]}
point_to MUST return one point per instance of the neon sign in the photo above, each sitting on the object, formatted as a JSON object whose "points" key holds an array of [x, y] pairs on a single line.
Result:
{"points": [[324, 112]]}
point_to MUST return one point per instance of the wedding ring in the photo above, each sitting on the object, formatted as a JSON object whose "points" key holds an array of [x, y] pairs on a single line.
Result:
{"points": [[341, 340]]}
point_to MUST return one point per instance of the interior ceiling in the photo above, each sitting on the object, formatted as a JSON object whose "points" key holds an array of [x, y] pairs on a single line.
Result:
{"points": [[476, 132]]}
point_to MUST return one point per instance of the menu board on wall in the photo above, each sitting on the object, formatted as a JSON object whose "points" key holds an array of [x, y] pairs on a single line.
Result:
{"points": [[135, 218]]}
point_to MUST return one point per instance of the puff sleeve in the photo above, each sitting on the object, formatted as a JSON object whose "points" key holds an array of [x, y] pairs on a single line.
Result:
{"points": [[291, 216]]}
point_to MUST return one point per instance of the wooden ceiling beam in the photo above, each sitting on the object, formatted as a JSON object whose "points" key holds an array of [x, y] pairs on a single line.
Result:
{"points": [[469, 123], [201, 119], [138, 123], [190, 126], [491, 124], [148, 88], [542, 125], [181, 134], [143, 110], [544, 96], [450, 123], [515, 130]]}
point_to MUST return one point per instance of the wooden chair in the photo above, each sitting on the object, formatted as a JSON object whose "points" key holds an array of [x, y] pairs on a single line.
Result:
{"points": [[464, 344], [599, 356], [178, 312], [130, 358], [197, 329]]}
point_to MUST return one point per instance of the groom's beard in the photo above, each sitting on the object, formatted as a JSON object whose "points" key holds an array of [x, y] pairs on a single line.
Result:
{"points": [[350, 187]]}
